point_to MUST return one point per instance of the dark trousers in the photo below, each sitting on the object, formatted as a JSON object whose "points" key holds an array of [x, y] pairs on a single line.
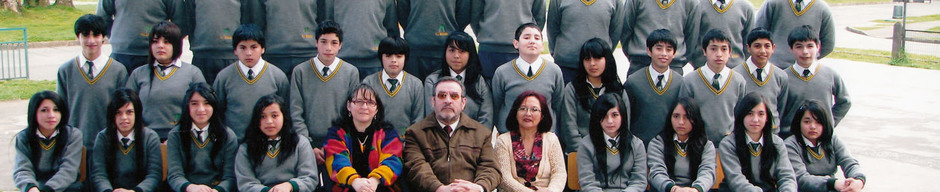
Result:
{"points": [[366, 66], [211, 67], [130, 62], [489, 61], [568, 73], [421, 66], [286, 64]]}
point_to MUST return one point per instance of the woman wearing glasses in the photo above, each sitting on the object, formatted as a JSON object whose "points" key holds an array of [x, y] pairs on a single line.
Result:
{"points": [[529, 156]]}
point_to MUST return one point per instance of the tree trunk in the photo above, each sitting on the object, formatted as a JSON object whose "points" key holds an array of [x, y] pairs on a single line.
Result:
{"points": [[43, 3], [11, 5], [64, 3]]}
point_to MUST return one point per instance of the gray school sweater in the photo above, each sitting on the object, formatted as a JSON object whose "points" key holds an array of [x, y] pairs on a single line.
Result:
{"points": [[661, 179], [56, 173], [162, 97], [89, 98], [427, 23], [819, 174], [775, 88], [404, 105], [681, 17], [825, 86], [199, 167], [130, 22], [495, 21], [734, 177], [481, 111], [300, 169], [317, 99], [289, 26], [574, 118], [779, 17], [509, 82], [717, 106], [649, 107], [573, 22], [125, 165], [364, 23], [632, 175], [239, 94], [210, 25], [736, 20]]}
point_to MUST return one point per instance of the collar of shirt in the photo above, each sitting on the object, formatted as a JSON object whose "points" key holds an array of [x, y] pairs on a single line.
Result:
{"points": [[319, 64], [385, 78], [524, 66], [256, 69], [759, 141], [608, 138], [802, 4], [129, 136], [278, 139], [675, 137], [100, 62], [709, 75], [812, 68], [715, 2], [806, 141], [205, 131], [452, 126], [177, 63], [44, 137], [654, 74], [753, 68], [463, 74]]}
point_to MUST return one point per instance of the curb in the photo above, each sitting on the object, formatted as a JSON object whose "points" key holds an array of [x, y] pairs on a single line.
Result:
{"points": [[857, 31]]}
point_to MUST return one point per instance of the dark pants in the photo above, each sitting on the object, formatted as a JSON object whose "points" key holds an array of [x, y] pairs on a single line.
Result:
{"points": [[366, 66], [130, 62], [422, 66], [211, 67], [489, 61], [568, 73], [640, 62], [286, 64]]}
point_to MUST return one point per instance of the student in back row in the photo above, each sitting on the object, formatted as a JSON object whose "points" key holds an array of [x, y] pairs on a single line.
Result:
{"points": [[781, 16], [403, 92], [654, 89], [528, 72], [715, 87], [681, 17]]}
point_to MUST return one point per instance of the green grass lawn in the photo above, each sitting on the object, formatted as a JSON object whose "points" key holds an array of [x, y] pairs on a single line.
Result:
{"points": [[884, 57], [22, 89], [912, 19], [43, 23]]}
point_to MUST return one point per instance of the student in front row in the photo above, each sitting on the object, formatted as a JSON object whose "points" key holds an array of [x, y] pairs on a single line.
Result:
{"points": [[653, 91], [403, 92], [685, 163], [239, 85], [462, 63], [127, 154], [273, 157], [528, 72], [40, 164], [716, 87], [816, 152], [201, 150], [614, 159], [597, 75], [762, 76], [753, 158]]}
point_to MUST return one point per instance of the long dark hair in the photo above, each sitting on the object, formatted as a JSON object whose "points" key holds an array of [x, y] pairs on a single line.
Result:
{"points": [[217, 133], [257, 141], [462, 41], [768, 154], [595, 49], [598, 112], [33, 125], [120, 98], [821, 114], [172, 33], [345, 120], [697, 138], [545, 125]]}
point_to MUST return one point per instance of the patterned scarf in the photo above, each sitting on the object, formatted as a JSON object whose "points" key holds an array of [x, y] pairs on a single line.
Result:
{"points": [[526, 166]]}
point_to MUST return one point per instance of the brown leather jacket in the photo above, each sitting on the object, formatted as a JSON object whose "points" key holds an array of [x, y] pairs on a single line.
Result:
{"points": [[433, 159]]}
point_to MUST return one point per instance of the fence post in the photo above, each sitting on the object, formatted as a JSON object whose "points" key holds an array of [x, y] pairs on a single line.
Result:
{"points": [[897, 46]]}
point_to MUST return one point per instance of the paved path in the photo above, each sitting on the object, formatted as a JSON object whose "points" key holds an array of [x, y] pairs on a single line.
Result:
{"points": [[861, 15]]}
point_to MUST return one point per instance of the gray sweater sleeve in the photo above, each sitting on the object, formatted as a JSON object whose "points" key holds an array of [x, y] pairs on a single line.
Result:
{"points": [[297, 103], [568, 125], [734, 178], [850, 166], [419, 101], [154, 162], [244, 172], [99, 176], [485, 116], [586, 168], [391, 20], [659, 176], [786, 180], [539, 12], [499, 95], [807, 182], [706, 170], [616, 23], [24, 176], [106, 10], [827, 35], [228, 165], [842, 100], [404, 8], [553, 25], [68, 165], [175, 176], [307, 178], [638, 173], [691, 30], [629, 22]]}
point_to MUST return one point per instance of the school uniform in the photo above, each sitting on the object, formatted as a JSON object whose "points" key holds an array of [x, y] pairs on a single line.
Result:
{"points": [[494, 23], [318, 98], [662, 180], [239, 93], [210, 25], [126, 172], [771, 82], [716, 104], [289, 29], [378, 155], [194, 162], [817, 172], [681, 17], [632, 176], [43, 170], [573, 22], [87, 95], [734, 177], [365, 23], [513, 78], [780, 17], [735, 18], [426, 25], [822, 84], [404, 105], [650, 100], [161, 92], [130, 22], [300, 169], [574, 118], [480, 110]]}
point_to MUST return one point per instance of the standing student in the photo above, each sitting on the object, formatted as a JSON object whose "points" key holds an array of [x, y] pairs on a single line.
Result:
{"points": [[403, 92], [528, 72], [366, 22], [163, 81], [681, 17], [571, 22], [735, 18], [289, 26], [753, 158], [597, 75], [201, 150], [426, 25], [687, 161], [614, 159], [130, 23], [273, 157], [716, 87], [239, 85], [762, 76], [462, 63], [492, 22], [40, 164], [809, 79], [816, 153], [654, 89], [781, 16], [127, 154], [209, 25]]}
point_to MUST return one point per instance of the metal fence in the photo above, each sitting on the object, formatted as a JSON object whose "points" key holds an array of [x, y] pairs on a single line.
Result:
{"points": [[922, 42], [13, 58]]}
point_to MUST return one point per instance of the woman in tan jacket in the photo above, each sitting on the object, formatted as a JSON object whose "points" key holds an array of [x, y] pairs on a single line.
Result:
{"points": [[529, 156]]}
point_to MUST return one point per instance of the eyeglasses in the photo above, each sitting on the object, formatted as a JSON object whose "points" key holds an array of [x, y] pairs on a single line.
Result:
{"points": [[453, 96], [533, 110], [363, 103]]}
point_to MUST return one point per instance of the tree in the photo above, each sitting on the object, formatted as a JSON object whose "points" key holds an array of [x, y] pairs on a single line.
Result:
{"points": [[11, 5], [64, 3]]}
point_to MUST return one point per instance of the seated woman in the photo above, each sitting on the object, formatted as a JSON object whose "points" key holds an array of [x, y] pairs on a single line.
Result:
{"points": [[127, 154], [40, 164], [462, 62], [597, 74], [529, 155], [687, 162], [260, 164], [614, 159], [201, 150], [812, 140], [746, 163], [363, 152]]}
